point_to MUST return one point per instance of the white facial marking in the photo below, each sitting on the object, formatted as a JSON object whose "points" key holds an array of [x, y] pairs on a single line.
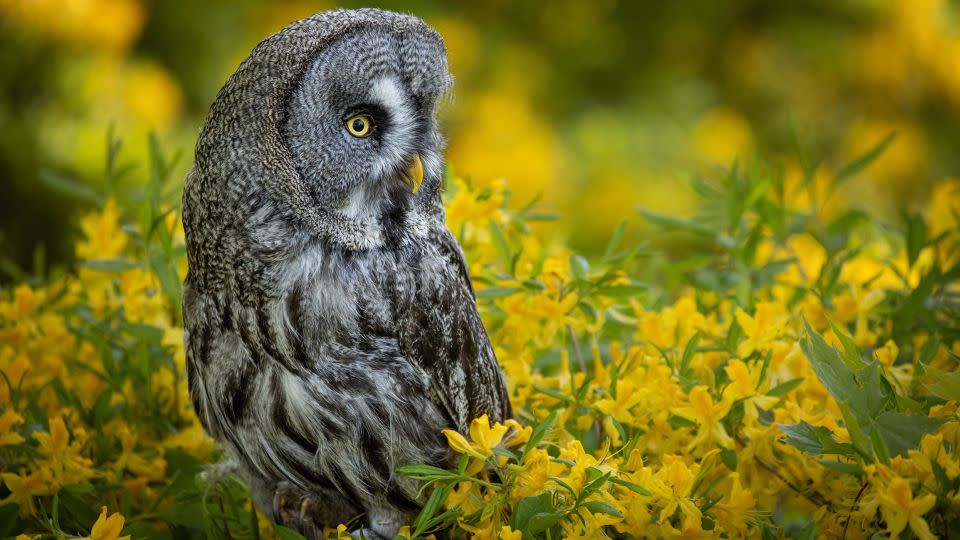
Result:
{"points": [[389, 93]]}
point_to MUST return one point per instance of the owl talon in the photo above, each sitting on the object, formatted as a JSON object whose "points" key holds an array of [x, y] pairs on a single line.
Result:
{"points": [[297, 510]]}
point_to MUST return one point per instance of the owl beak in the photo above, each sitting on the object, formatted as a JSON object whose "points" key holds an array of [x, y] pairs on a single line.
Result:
{"points": [[413, 176]]}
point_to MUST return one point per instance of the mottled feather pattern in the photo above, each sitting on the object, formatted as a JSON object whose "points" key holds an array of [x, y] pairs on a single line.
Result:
{"points": [[331, 327]]}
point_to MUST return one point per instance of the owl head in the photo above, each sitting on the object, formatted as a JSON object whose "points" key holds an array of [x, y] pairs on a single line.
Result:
{"points": [[360, 122], [326, 131]]}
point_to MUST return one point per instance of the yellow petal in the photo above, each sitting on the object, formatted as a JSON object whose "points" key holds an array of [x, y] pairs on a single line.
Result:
{"points": [[107, 528], [460, 444], [484, 436]]}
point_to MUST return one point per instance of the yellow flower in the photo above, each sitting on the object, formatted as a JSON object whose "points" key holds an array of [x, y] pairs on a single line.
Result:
{"points": [[506, 533], [61, 457], [671, 486], [519, 435], [535, 472], [465, 496], [537, 318], [627, 397], [107, 528], [887, 354], [173, 338], [761, 329], [150, 469], [900, 508], [101, 230], [24, 487], [736, 505], [142, 301], [722, 136], [7, 420], [152, 95], [708, 415], [529, 158], [483, 438], [743, 385]]}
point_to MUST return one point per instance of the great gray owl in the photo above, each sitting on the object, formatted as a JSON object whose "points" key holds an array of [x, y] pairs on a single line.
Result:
{"points": [[331, 326]]}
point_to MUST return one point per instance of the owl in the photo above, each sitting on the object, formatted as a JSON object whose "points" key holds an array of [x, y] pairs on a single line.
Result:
{"points": [[331, 327]]}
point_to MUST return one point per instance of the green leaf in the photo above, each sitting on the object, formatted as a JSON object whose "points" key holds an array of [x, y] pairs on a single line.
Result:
{"points": [[632, 486], [434, 503], [785, 387], [70, 187], [851, 355], [929, 349], [809, 532], [9, 523], [916, 237], [876, 394], [286, 533], [841, 467], [505, 453], [826, 362], [853, 428], [497, 292], [500, 242], [535, 514], [729, 459], [426, 472], [861, 162], [847, 222], [946, 385], [622, 291], [673, 223], [615, 238], [901, 432], [879, 447], [677, 422], [540, 431], [804, 437], [109, 265], [542, 521], [816, 440], [579, 267], [688, 351], [600, 507], [867, 394]]}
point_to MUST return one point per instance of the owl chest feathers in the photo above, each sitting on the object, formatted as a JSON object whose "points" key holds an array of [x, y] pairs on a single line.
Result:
{"points": [[299, 381]]}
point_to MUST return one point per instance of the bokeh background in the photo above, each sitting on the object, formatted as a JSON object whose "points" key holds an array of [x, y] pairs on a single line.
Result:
{"points": [[599, 107]]}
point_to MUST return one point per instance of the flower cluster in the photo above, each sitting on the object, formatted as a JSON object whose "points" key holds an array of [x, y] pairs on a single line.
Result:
{"points": [[801, 381], [799, 378]]}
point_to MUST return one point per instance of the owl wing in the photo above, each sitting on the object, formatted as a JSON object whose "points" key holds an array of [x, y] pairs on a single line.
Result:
{"points": [[442, 334]]}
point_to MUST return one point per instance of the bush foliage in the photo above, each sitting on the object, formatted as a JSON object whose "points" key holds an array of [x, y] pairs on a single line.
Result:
{"points": [[797, 378]]}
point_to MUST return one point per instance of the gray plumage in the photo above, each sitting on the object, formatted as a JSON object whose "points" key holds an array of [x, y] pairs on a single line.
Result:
{"points": [[331, 326]]}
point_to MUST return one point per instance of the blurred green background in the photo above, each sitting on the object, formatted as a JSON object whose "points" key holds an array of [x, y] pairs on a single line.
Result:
{"points": [[601, 107]]}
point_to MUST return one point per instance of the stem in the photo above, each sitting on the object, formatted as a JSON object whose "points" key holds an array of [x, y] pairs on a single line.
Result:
{"points": [[815, 498], [226, 526], [576, 349], [854, 507]]}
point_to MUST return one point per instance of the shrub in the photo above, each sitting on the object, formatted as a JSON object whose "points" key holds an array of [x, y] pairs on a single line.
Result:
{"points": [[795, 377]]}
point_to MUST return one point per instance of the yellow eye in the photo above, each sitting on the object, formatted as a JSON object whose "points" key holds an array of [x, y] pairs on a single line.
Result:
{"points": [[359, 126]]}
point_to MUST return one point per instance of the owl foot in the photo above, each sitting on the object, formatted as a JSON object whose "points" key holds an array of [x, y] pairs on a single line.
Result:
{"points": [[311, 512], [297, 510]]}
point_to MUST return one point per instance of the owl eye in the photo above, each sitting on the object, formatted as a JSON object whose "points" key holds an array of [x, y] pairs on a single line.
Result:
{"points": [[360, 125]]}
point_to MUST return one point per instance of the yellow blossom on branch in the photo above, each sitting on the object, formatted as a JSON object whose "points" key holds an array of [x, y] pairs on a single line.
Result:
{"points": [[900, 508], [107, 527], [483, 438], [708, 415]]}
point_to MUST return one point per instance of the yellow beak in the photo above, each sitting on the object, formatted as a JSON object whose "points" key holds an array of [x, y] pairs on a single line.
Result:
{"points": [[413, 176]]}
